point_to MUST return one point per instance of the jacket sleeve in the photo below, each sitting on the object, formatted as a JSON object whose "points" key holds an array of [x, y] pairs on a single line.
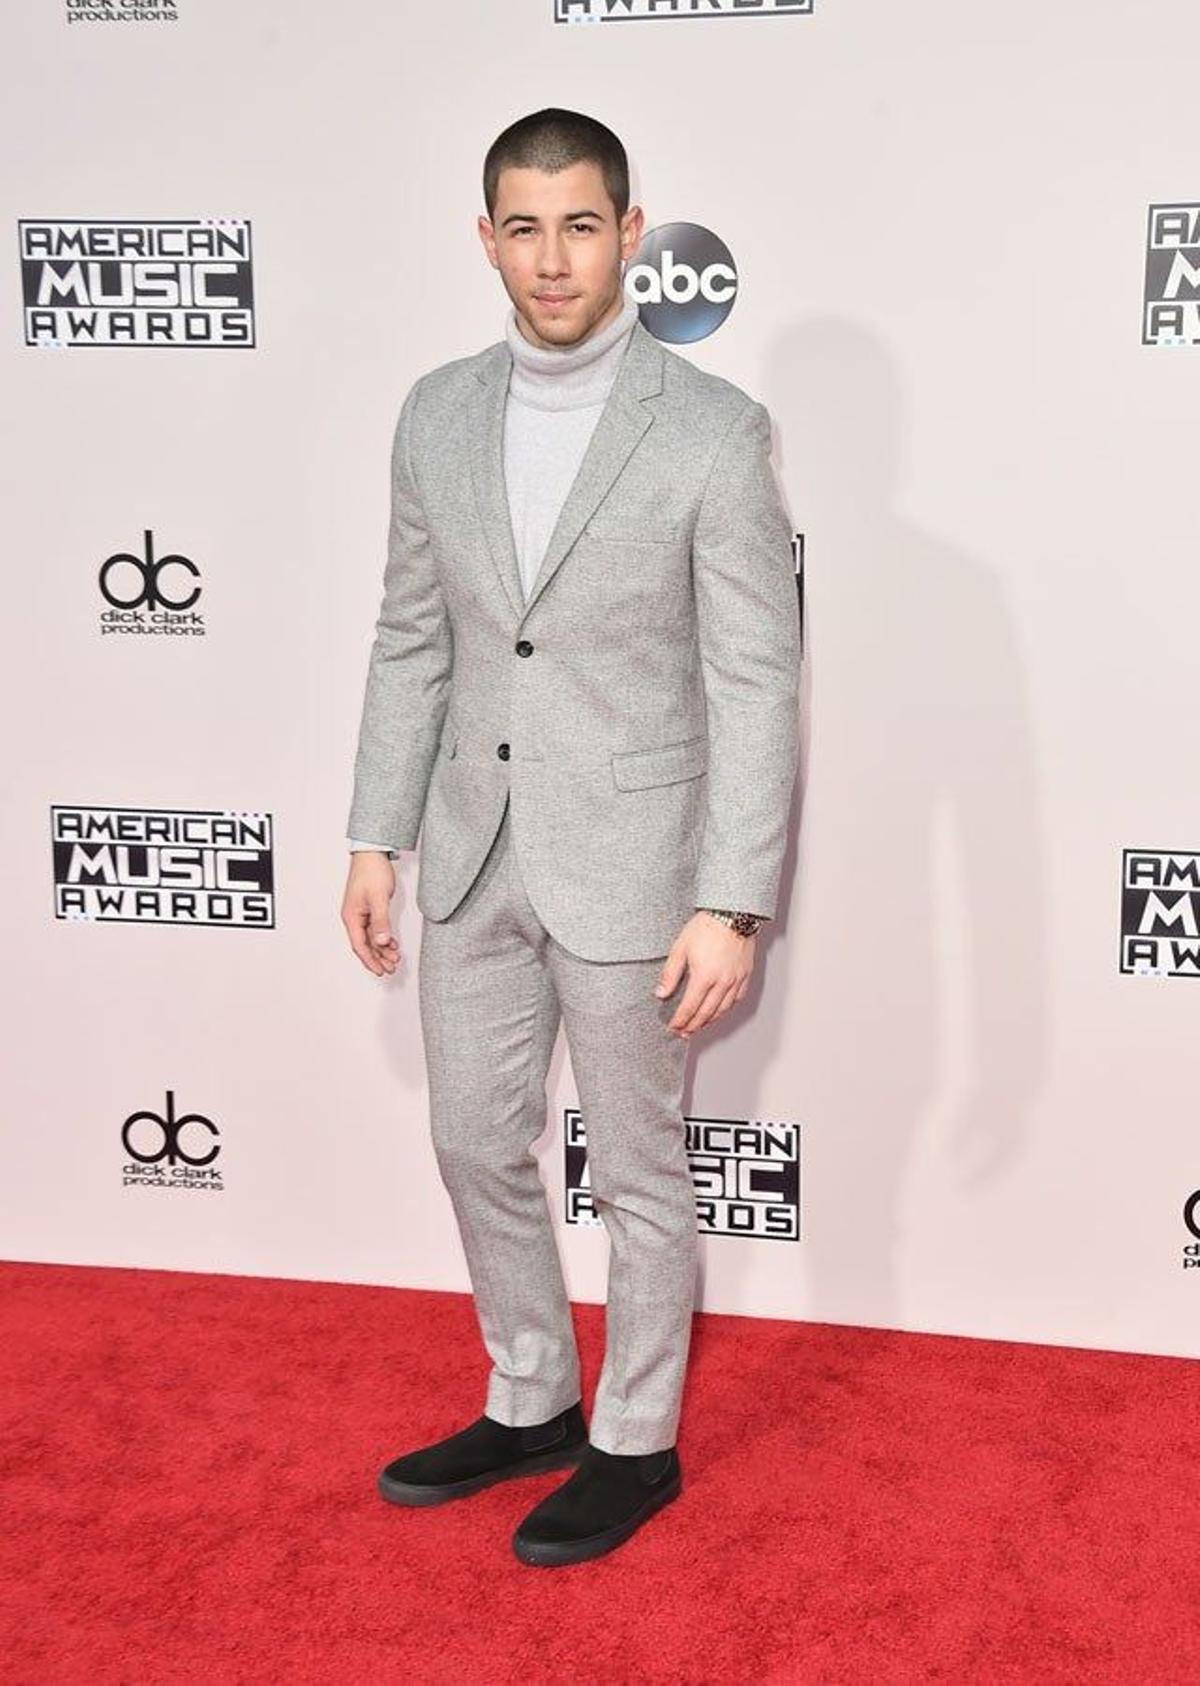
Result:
{"points": [[408, 674], [748, 617]]}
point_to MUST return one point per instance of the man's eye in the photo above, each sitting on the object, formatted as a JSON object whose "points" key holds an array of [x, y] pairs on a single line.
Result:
{"points": [[587, 227]]}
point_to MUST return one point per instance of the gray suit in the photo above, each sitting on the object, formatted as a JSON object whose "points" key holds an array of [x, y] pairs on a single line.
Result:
{"points": [[584, 768], [648, 738]]}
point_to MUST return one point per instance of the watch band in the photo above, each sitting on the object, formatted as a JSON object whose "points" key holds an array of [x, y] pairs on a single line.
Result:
{"points": [[745, 924]]}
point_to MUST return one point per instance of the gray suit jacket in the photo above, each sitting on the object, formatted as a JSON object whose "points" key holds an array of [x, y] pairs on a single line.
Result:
{"points": [[640, 710]]}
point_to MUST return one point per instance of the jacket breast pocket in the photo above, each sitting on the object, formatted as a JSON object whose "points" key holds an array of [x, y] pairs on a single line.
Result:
{"points": [[636, 769], [632, 531]]}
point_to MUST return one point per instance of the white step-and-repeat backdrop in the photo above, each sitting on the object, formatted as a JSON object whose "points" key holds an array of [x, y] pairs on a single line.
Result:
{"points": [[960, 250]]}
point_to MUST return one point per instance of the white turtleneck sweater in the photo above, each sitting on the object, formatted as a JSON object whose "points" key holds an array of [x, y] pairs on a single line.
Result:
{"points": [[555, 396]]}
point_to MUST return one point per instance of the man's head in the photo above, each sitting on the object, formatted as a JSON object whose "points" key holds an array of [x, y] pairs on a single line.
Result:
{"points": [[559, 225]]}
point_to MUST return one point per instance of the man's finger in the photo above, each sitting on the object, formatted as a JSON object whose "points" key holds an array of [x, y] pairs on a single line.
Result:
{"points": [[724, 1004], [371, 939], [712, 1004], [671, 972], [383, 943], [356, 930], [697, 992]]}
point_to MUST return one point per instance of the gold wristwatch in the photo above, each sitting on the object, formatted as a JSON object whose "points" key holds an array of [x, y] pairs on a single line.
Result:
{"points": [[745, 924]]}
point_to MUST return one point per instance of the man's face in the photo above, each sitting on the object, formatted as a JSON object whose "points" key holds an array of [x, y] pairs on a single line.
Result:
{"points": [[558, 246]]}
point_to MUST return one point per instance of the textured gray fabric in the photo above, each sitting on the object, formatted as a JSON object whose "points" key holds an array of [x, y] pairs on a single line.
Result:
{"points": [[493, 986], [585, 755], [555, 396], [648, 742]]}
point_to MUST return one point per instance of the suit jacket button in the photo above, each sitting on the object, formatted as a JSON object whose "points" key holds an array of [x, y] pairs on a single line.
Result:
{"points": [[524, 648], [502, 751]]}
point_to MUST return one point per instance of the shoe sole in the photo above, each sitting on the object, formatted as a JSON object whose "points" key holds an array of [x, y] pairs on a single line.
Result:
{"points": [[547, 1555], [409, 1493]]}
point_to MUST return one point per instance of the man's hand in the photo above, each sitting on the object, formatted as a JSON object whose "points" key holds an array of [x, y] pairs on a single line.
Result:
{"points": [[369, 889], [719, 963]]}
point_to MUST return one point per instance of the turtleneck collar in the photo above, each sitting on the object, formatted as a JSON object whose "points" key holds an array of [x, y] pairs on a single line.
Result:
{"points": [[567, 378]]}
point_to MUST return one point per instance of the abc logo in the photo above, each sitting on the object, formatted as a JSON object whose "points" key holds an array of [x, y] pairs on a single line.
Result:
{"points": [[683, 281]]}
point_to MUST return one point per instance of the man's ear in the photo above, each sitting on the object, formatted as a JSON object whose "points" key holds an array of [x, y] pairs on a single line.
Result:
{"points": [[632, 224]]}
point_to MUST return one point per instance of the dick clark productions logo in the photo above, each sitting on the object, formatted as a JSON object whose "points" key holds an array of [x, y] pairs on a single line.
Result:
{"points": [[171, 1150], [150, 595], [1191, 1219]]}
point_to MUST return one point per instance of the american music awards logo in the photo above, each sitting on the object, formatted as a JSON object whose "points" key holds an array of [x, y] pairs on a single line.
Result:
{"points": [[634, 11], [1171, 306], [163, 866], [746, 1174], [150, 595], [1160, 913], [177, 283]]}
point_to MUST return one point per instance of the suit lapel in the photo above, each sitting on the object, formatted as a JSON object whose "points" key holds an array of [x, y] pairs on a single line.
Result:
{"points": [[485, 435], [623, 421]]}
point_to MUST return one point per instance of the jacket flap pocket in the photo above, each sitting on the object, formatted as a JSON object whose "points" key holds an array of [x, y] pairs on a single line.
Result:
{"points": [[631, 531], [634, 769]]}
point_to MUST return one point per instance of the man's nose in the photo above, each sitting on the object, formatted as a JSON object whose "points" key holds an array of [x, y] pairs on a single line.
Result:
{"points": [[552, 258]]}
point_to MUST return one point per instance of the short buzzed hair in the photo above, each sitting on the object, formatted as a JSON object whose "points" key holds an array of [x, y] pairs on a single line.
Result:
{"points": [[552, 140]]}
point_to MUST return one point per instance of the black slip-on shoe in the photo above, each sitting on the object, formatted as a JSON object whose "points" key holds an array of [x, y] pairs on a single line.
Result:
{"points": [[481, 1454], [597, 1508]]}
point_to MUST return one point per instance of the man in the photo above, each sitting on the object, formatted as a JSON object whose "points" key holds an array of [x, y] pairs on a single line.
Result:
{"points": [[583, 691]]}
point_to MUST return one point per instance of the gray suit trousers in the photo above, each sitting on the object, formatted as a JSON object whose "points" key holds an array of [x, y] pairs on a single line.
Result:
{"points": [[493, 987]]}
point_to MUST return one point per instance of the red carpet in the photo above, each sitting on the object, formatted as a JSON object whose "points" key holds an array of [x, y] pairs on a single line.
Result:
{"points": [[189, 1471]]}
